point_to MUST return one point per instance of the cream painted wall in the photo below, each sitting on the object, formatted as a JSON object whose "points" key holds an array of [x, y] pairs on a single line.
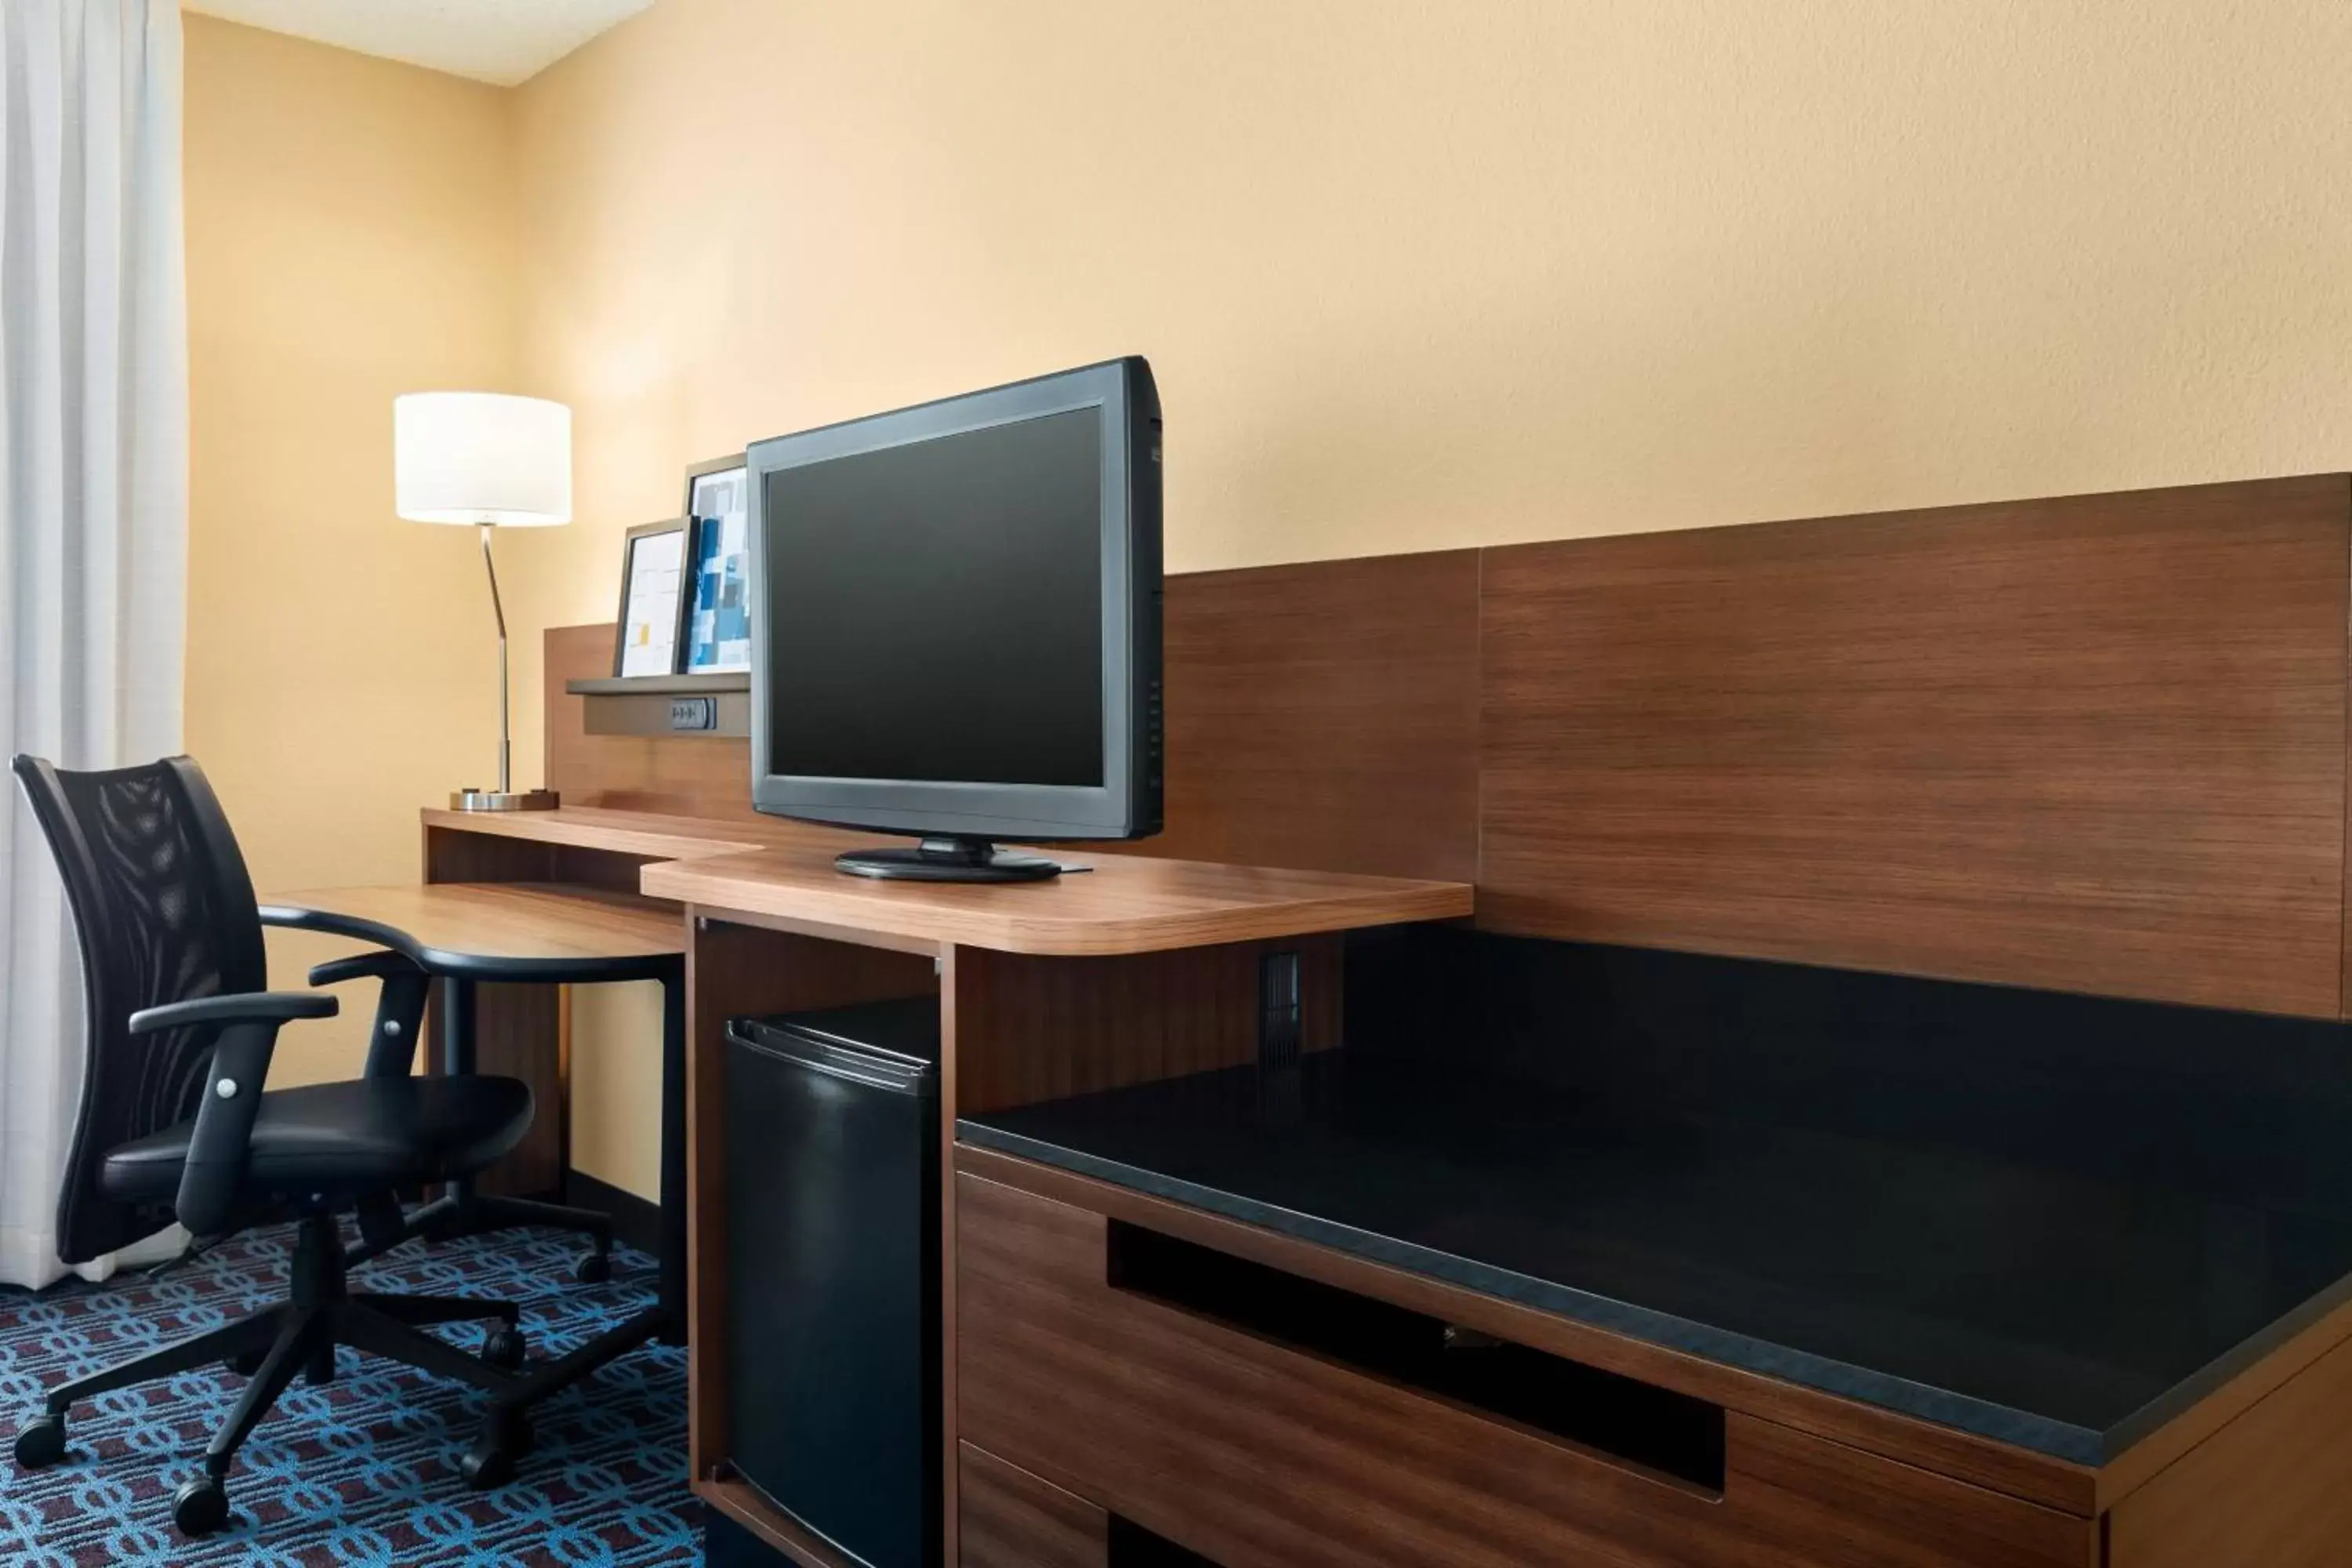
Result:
{"points": [[350, 237]]}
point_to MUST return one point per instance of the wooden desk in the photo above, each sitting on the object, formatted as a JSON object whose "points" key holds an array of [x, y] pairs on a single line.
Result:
{"points": [[538, 935], [517, 928], [502, 945], [1144, 971], [1135, 970]]}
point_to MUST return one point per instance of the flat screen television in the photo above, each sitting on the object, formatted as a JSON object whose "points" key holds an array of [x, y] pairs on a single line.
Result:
{"points": [[955, 624]]}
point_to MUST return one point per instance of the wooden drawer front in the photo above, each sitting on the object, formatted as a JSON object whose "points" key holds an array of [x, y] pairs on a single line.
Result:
{"points": [[1013, 1519], [1260, 1455]]}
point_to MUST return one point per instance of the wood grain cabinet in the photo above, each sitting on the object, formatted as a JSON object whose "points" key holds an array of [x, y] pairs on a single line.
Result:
{"points": [[1269, 1422], [1013, 1519]]}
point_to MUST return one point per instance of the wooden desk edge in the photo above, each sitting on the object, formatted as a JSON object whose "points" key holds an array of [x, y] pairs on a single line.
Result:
{"points": [[336, 911], [1045, 934]]}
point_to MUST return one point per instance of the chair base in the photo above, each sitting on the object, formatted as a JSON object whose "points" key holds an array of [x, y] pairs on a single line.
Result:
{"points": [[464, 1213], [299, 1335], [506, 1434]]}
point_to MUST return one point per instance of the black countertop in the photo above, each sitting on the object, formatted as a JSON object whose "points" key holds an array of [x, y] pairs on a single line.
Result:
{"points": [[2032, 1303]]}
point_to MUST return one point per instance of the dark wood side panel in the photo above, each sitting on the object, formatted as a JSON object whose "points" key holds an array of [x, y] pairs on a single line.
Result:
{"points": [[2094, 744], [678, 775], [2273, 1488], [1013, 1519], [519, 1034], [1325, 716], [1261, 1456], [454, 857], [1033, 1028]]}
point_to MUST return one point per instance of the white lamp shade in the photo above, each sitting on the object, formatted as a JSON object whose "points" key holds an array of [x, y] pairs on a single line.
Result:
{"points": [[481, 457]]}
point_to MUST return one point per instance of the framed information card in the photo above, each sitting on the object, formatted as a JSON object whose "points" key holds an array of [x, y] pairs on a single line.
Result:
{"points": [[719, 624], [653, 598]]}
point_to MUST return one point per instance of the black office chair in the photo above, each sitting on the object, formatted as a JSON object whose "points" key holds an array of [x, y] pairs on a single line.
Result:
{"points": [[173, 1122]]}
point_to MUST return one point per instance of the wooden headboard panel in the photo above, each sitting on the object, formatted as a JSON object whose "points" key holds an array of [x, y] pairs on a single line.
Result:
{"points": [[1326, 716], [2093, 744]]}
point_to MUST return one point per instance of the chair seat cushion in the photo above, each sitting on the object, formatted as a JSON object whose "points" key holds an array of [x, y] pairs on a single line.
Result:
{"points": [[341, 1138]]}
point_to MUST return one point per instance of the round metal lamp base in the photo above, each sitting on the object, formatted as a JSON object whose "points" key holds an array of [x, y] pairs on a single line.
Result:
{"points": [[504, 800]]}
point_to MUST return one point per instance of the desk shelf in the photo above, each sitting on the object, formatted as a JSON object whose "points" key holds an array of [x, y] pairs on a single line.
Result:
{"points": [[708, 684], [647, 835], [711, 705]]}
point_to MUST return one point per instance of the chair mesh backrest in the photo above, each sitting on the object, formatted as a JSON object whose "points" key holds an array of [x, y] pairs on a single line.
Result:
{"points": [[164, 911]]}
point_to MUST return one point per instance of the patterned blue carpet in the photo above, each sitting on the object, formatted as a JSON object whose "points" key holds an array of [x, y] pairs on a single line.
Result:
{"points": [[364, 1469]]}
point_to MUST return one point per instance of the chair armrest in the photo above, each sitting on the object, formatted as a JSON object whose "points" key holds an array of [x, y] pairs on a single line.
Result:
{"points": [[220, 1147], [271, 1008], [399, 1008], [381, 964]]}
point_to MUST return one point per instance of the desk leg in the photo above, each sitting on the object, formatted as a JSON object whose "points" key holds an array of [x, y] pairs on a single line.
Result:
{"points": [[673, 1162], [459, 1026], [462, 1210], [665, 1320]]}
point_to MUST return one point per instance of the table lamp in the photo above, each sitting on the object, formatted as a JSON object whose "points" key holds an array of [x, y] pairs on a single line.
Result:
{"points": [[495, 461]]}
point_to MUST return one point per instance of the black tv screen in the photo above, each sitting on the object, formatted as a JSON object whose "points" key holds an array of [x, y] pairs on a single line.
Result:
{"points": [[955, 616], [936, 608]]}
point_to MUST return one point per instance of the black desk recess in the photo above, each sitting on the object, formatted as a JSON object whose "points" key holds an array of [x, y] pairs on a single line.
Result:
{"points": [[2042, 1307]]}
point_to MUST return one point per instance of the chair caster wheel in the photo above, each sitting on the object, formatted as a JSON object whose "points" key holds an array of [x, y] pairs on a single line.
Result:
{"points": [[200, 1507], [593, 1268], [491, 1461], [41, 1442], [505, 1348], [244, 1365]]}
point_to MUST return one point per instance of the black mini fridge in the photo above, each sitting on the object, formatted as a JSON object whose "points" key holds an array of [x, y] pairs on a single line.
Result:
{"points": [[833, 1272]]}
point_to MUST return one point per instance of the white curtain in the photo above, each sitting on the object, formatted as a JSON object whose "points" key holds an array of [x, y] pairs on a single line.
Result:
{"points": [[93, 470]]}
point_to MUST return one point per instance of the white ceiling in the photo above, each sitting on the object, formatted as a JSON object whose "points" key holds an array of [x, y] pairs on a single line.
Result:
{"points": [[498, 41]]}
